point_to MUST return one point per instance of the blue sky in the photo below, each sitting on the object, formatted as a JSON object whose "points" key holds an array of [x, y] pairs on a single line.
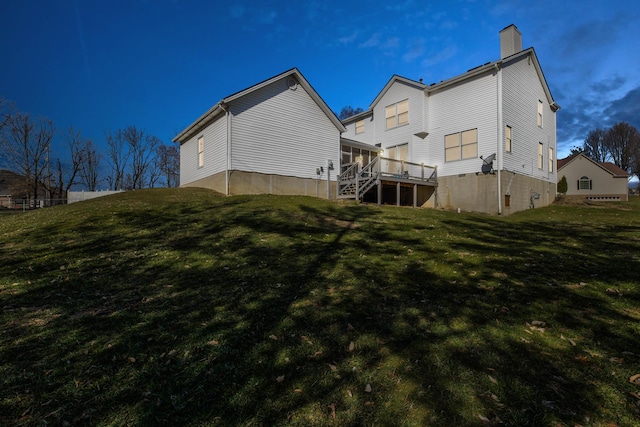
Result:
{"points": [[160, 64]]}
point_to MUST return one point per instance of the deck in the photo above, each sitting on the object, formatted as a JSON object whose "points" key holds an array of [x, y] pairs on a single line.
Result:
{"points": [[357, 181]]}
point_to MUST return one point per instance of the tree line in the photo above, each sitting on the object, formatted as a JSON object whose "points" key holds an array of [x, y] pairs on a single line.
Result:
{"points": [[52, 162], [619, 144]]}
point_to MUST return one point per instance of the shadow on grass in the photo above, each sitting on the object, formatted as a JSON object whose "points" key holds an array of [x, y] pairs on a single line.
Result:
{"points": [[272, 311]]}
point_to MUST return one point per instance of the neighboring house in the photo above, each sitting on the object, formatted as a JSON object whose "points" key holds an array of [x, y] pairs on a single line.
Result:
{"points": [[13, 190], [588, 179], [481, 141], [10, 185], [275, 137]]}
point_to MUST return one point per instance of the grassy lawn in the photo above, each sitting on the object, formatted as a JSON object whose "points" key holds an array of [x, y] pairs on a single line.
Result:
{"points": [[182, 307]]}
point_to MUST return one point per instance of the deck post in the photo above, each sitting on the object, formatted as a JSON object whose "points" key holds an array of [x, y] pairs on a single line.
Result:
{"points": [[357, 182], [415, 195], [398, 193], [379, 191]]}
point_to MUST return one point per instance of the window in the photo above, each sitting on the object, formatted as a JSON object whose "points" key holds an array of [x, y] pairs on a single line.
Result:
{"points": [[462, 145], [200, 151], [540, 155], [346, 155], [507, 139], [397, 114], [584, 183], [353, 154], [550, 159], [359, 126], [540, 105]]}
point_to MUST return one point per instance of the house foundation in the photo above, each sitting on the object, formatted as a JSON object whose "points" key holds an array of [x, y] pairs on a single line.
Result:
{"points": [[479, 193], [241, 182]]}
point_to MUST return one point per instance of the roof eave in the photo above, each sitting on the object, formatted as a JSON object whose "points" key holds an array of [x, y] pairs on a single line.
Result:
{"points": [[358, 116], [462, 77], [217, 109], [199, 123]]}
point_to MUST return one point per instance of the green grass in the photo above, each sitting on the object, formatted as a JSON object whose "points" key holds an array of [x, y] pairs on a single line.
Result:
{"points": [[182, 307]]}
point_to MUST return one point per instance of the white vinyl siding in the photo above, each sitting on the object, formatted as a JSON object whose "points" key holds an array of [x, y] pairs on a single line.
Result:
{"points": [[214, 138], [276, 130], [361, 130], [522, 93], [398, 92], [464, 107]]}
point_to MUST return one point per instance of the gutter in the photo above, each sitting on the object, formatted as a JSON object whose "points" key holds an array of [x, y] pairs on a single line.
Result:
{"points": [[500, 135], [225, 108]]}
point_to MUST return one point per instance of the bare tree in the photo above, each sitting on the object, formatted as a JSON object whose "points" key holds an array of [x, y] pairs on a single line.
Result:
{"points": [[118, 155], [5, 113], [90, 166], [168, 160], [634, 164], [26, 145], [349, 111], [67, 173], [142, 148], [595, 145], [620, 140]]}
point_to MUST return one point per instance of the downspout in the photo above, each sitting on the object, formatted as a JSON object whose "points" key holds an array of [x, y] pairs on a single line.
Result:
{"points": [[500, 136], [227, 171]]}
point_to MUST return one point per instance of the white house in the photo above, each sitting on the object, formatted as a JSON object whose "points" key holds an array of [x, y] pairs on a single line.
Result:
{"points": [[274, 137], [481, 141], [591, 180], [490, 132]]}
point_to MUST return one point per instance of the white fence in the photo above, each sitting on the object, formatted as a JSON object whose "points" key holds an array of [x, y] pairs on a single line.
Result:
{"points": [[79, 196]]}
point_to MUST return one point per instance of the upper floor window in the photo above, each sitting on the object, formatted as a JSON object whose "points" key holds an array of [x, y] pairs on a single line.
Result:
{"points": [[540, 155], [200, 151], [550, 159], [540, 108], [507, 139], [397, 114], [461, 145], [359, 126]]}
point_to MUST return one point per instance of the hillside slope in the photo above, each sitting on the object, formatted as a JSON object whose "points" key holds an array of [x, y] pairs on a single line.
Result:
{"points": [[183, 307]]}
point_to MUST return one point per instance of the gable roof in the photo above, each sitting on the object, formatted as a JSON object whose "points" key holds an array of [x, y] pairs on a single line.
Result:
{"points": [[501, 63], [481, 69], [220, 107], [395, 78], [562, 162], [613, 169], [369, 111]]}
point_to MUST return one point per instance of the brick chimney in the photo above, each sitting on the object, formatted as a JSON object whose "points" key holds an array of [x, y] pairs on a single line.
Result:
{"points": [[510, 41]]}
